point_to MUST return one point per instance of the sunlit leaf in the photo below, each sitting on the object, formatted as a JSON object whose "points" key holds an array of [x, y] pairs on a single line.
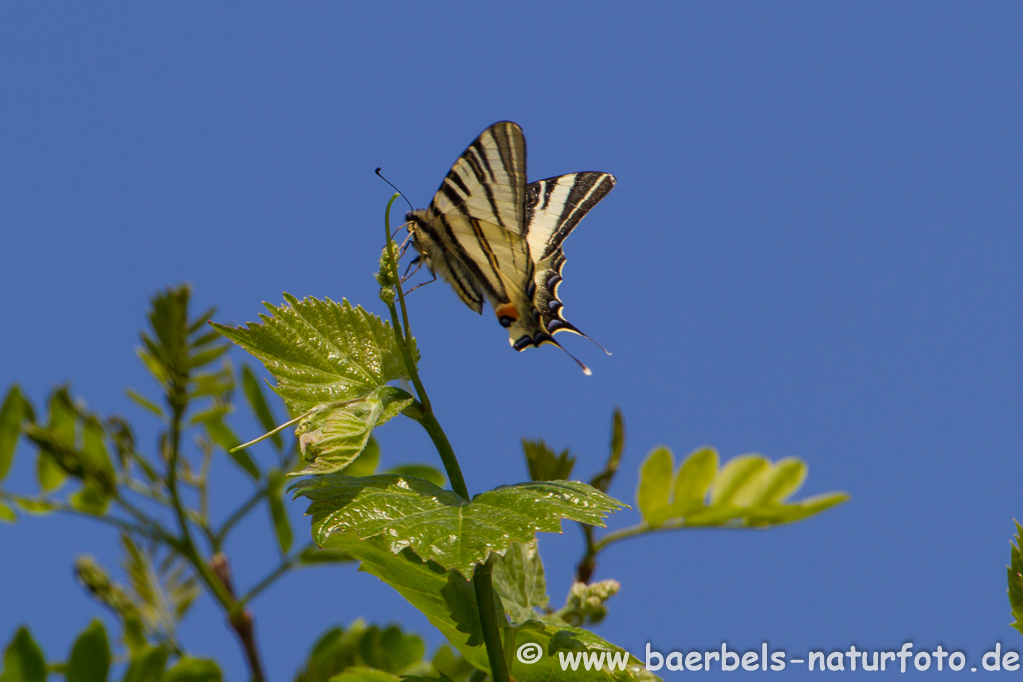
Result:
{"points": [[693, 479], [439, 525], [331, 438], [423, 471], [654, 487], [321, 352], [519, 579], [365, 464], [783, 478], [423, 585], [738, 480]]}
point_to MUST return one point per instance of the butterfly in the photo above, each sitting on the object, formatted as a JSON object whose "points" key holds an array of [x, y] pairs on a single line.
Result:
{"points": [[492, 236]]}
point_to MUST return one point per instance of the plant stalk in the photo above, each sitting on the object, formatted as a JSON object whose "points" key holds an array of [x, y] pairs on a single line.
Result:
{"points": [[482, 581]]}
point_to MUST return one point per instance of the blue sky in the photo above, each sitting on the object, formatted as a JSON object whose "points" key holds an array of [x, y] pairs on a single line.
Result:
{"points": [[813, 250]]}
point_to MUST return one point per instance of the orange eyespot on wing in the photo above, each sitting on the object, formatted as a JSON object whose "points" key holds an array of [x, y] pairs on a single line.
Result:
{"points": [[507, 314]]}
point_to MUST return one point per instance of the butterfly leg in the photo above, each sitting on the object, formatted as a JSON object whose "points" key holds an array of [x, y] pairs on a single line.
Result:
{"points": [[422, 284]]}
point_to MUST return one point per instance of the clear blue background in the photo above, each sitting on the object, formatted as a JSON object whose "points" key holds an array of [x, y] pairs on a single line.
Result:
{"points": [[813, 250]]}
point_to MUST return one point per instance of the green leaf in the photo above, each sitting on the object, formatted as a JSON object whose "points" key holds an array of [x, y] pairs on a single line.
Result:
{"points": [[331, 438], [421, 583], [193, 670], [321, 352], [424, 585], [13, 412], [775, 514], [90, 656], [384, 649], [738, 480], [360, 674], [49, 474], [91, 499], [38, 507], [23, 659], [147, 664], [695, 475], [365, 464], [602, 481], [782, 479], [99, 466], [144, 402], [654, 486], [438, 524], [520, 581], [747, 491], [390, 649], [544, 465], [260, 408], [7, 514], [423, 471], [1015, 575], [278, 514], [54, 461], [313, 555]]}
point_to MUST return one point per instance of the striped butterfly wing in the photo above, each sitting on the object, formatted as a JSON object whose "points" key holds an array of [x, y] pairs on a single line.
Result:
{"points": [[553, 208], [472, 232], [491, 236]]}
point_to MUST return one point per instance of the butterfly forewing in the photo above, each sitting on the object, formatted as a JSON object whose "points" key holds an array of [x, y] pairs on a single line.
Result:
{"points": [[488, 182]]}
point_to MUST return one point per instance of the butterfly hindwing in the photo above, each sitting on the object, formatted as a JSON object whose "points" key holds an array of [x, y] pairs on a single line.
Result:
{"points": [[553, 208], [490, 235]]}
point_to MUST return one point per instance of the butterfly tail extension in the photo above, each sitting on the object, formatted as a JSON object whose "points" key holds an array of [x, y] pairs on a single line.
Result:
{"points": [[540, 339]]}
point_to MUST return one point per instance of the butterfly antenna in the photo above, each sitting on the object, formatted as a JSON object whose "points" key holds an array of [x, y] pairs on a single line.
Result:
{"points": [[381, 175]]}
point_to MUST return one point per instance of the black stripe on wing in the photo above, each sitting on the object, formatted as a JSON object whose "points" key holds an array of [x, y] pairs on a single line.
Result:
{"points": [[554, 206]]}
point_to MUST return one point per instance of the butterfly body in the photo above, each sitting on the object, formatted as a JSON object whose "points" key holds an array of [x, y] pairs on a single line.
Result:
{"points": [[492, 236]]}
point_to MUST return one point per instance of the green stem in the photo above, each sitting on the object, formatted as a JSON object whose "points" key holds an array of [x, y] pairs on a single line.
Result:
{"points": [[190, 552], [481, 577], [481, 580]]}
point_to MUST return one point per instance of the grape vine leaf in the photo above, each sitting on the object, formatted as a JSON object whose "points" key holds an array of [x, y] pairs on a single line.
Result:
{"points": [[332, 363], [440, 526], [423, 584]]}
